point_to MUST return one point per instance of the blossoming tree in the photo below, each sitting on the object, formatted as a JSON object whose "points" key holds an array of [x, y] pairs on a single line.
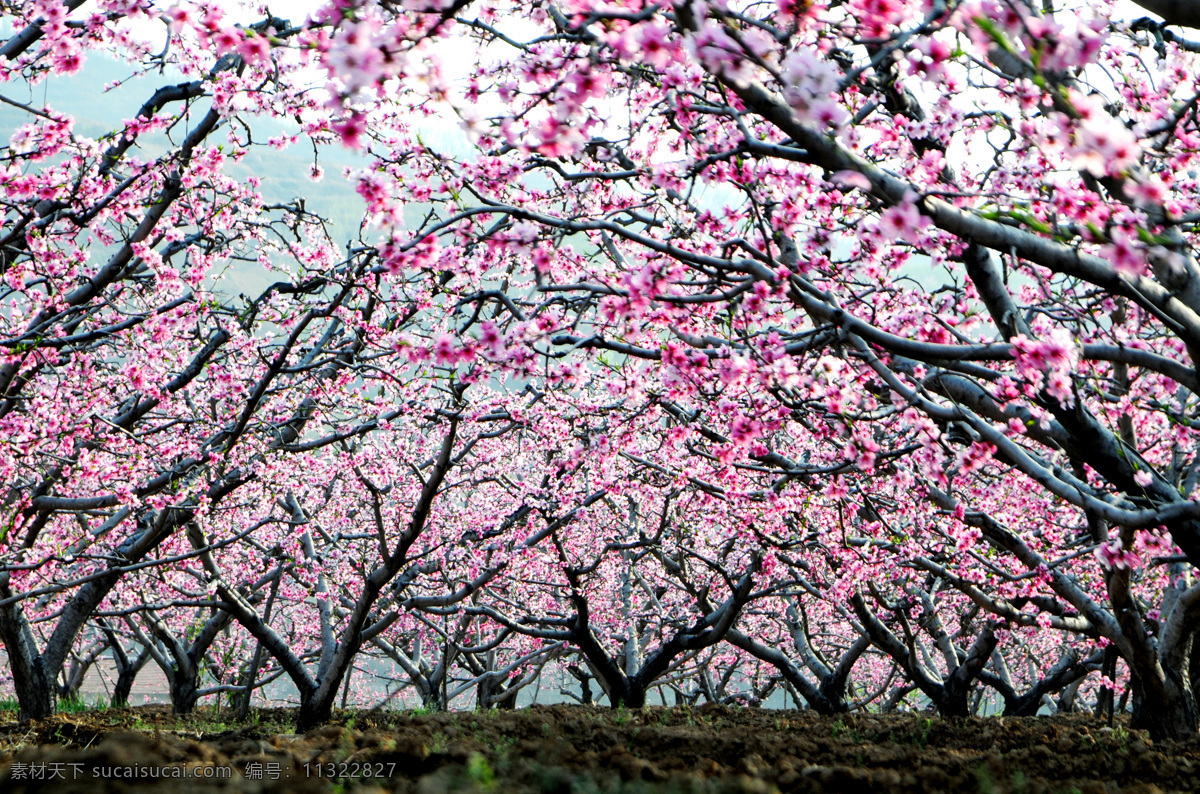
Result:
{"points": [[977, 212], [908, 285]]}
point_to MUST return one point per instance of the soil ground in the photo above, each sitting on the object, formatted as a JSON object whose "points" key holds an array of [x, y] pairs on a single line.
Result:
{"points": [[578, 750]]}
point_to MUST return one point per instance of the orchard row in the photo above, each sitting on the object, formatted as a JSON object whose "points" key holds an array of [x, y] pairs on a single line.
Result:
{"points": [[686, 351]]}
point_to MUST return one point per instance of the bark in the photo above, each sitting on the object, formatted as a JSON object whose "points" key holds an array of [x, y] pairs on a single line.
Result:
{"points": [[949, 694], [126, 676], [825, 696], [1185, 13], [1065, 677], [316, 702], [243, 706], [127, 668], [182, 663], [428, 681], [630, 690], [493, 694], [34, 685], [1166, 706], [185, 691], [71, 679], [585, 684]]}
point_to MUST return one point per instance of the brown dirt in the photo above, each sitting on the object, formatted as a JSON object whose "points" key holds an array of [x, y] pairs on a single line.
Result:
{"points": [[573, 750]]}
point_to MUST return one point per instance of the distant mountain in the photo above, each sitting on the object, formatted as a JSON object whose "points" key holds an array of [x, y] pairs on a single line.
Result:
{"points": [[103, 94]]}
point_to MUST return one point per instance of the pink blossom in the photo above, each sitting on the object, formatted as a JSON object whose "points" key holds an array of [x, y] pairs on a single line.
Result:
{"points": [[1048, 363], [1104, 146], [1125, 253], [967, 538], [743, 430], [1113, 555], [351, 129], [735, 368], [227, 39], [255, 48], [557, 138], [794, 10], [836, 489], [1147, 191], [809, 82], [653, 44], [1156, 543], [491, 337], [929, 57], [718, 52], [181, 16], [904, 221], [445, 350]]}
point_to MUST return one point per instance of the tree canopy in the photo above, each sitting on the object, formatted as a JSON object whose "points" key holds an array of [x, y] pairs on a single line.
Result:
{"points": [[711, 347]]}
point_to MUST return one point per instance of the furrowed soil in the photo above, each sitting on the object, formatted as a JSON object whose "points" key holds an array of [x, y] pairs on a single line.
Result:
{"points": [[574, 749]]}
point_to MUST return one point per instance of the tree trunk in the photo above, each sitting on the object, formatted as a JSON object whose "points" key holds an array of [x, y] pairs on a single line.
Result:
{"points": [[485, 693], [247, 695], [316, 708], [955, 698], [1104, 701], [431, 698], [1066, 703], [1165, 707], [493, 694], [585, 684], [69, 685], [34, 685], [125, 678], [506, 700], [828, 695], [316, 703], [634, 696], [184, 693], [35, 692]]}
